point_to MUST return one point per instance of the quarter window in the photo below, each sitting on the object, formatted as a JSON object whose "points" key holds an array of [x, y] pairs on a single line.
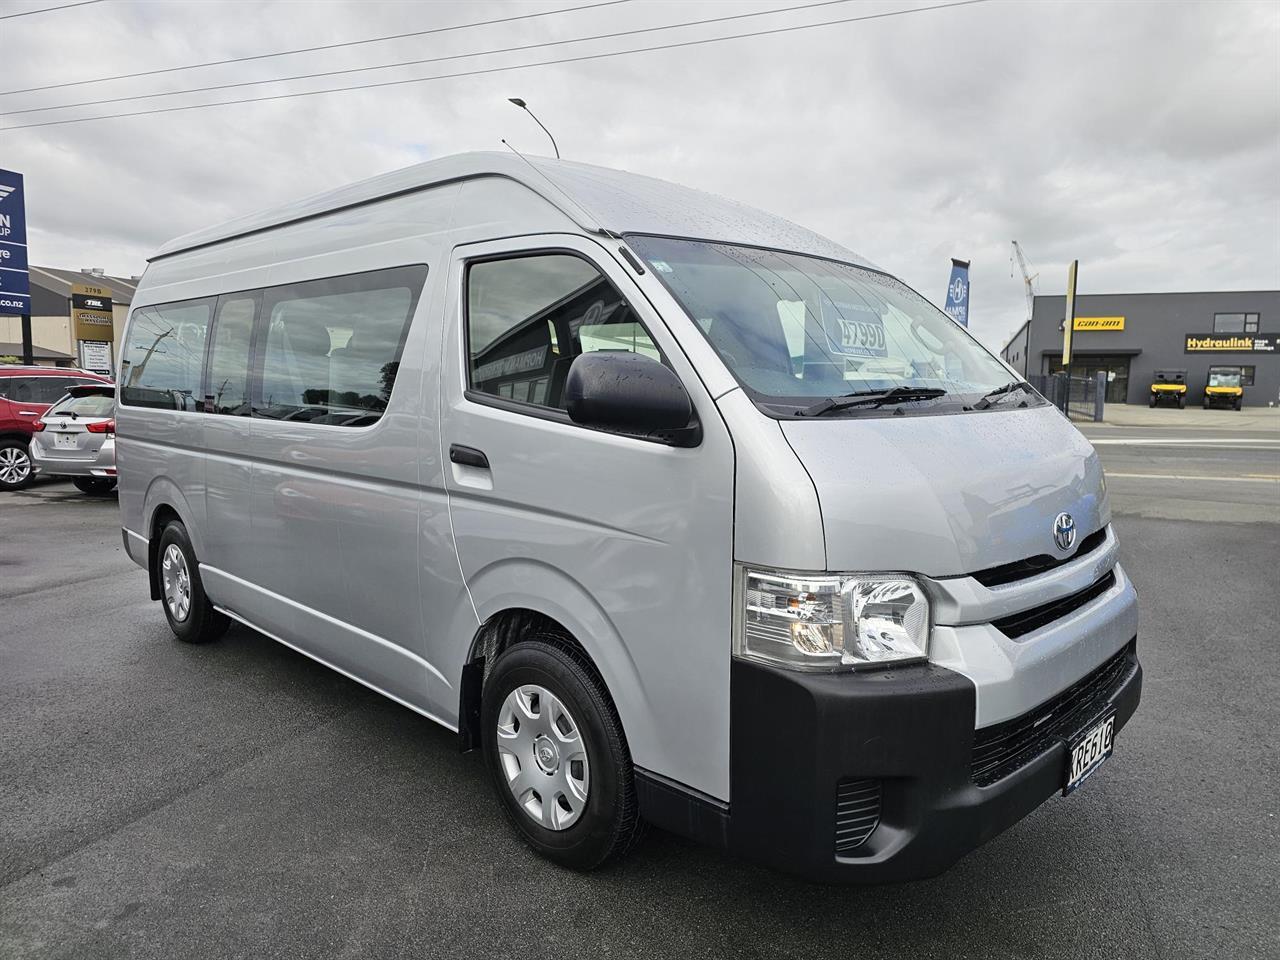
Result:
{"points": [[163, 357], [528, 317], [331, 348]]}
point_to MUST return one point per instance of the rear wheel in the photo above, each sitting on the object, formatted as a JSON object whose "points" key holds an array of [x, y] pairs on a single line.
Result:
{"points": [[15, 465], [557, 755], [190, 614], [94, 486]]}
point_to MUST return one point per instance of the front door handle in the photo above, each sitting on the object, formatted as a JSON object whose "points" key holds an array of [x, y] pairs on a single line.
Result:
{"points": [[468, 456]]}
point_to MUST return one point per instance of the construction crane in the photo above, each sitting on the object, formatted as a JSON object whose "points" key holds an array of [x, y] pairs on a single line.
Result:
{"points": [[1028, 278]]}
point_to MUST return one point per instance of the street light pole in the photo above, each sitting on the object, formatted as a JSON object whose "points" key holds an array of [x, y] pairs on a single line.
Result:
{"points": [[525, 107]]}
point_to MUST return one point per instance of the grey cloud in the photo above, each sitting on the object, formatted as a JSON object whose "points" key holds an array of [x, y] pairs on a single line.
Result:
{"points": [[1143, 139]]}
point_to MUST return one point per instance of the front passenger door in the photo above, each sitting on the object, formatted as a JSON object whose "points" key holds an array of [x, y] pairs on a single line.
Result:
{"points": [[625, 541]]}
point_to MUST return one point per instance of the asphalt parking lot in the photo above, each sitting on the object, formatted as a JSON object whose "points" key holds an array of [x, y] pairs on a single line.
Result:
{"points": [[161, 800]]}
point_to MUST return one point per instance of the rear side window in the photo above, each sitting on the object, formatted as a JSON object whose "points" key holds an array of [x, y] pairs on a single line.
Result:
{"points": [[227, 390], [529, 316], [330, 349], [163, 356], [40, 389]]}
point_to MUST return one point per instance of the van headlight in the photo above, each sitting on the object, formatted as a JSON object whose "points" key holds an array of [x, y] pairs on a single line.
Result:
{"points": [[829, 621]]}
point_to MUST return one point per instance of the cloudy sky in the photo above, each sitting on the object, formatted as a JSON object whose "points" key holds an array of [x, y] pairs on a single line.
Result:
{"points": [[1142, 138]]}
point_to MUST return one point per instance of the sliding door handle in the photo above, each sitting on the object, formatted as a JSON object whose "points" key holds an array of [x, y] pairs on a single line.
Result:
{"points": [[468, 456]]}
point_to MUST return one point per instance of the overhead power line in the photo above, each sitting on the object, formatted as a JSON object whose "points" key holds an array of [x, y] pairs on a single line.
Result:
{"points": [[61, 6], [327, 46], [418, 63], [504, 69]]}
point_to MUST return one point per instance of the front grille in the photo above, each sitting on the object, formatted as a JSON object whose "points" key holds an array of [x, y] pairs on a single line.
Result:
{"points": [[1021, 569], [1019, 624], [1001, 749], [857, 813]]}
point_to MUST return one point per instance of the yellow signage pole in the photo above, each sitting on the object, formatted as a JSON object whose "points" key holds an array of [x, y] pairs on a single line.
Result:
{"points": [[1068, 324]]}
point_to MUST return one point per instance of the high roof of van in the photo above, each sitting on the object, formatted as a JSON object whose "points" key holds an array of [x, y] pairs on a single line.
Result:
{"points": [[598, 199]]}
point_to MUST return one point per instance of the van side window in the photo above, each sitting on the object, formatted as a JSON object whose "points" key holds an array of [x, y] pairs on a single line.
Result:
{"points": [[162, 360], [330, 349], [529, 316], [227, 389]]}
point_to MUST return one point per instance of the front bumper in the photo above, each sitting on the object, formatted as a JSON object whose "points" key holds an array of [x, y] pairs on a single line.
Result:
{"points": [[805, 747]]}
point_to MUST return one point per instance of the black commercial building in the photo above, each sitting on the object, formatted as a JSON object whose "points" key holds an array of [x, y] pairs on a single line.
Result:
{"points": [[1131, 335]]}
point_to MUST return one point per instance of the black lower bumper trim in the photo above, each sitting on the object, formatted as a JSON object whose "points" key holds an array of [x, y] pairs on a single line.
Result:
{"points": [[799, 740]]}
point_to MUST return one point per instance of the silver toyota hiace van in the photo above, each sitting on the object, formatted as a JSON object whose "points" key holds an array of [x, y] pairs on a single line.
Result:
{"points": [[676, 511]]}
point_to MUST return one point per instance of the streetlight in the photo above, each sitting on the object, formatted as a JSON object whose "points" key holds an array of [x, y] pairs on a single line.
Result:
{"points": [[525, 107]]}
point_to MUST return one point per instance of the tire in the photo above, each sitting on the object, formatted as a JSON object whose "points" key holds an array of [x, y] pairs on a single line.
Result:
{"points": [[593, 830], [1182, 402], [195, 620], [1239, 402], [94, 486], [15, 465], [1152, 402], [1206, 403]]}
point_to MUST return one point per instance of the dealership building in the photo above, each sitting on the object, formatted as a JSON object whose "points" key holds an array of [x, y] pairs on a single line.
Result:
{"points": [[53, 314], [1129, 336]]}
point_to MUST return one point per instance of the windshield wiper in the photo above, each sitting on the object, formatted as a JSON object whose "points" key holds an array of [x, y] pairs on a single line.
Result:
{"points": [[996, 395], [871, 398]]}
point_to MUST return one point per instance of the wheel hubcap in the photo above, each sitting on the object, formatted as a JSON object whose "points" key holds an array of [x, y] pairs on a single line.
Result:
{"points": [[543, 757], [177, 582], [15, 465]]}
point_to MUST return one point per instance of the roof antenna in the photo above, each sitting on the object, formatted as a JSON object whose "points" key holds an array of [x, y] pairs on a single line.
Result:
{"points": [[599, 224]]}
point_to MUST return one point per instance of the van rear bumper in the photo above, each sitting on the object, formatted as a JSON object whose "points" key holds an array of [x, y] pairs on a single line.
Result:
{"points": [[888, 753]]}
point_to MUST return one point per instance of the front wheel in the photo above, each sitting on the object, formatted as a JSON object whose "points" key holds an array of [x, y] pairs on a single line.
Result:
{"points": [[94, 486], [557, 755], [15, 465], [1239, 402], [1152, 402], [191, 616], [1182, 402]]}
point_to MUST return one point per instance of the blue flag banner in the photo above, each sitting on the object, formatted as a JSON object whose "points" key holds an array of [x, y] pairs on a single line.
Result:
{"points": [[15, 283], [957, 307]]}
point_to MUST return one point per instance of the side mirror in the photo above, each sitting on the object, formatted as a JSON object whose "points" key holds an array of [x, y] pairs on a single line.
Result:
{"points": [[629, 393]]}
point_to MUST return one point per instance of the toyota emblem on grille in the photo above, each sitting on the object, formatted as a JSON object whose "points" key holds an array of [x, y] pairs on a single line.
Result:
{"points": [[1064, 531]]}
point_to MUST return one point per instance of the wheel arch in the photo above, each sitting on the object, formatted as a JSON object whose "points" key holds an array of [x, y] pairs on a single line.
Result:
{"points": [[549, 601], [163, 503]]}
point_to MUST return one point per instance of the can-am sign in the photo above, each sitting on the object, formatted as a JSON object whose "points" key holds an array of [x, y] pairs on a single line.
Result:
{"points": [[1231, 343], [1098, 323]]}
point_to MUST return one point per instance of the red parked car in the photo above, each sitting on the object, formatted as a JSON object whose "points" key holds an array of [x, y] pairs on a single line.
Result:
{"points": [[25, 393]]}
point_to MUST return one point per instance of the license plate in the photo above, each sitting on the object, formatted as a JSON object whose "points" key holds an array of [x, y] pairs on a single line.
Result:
{"points": [[64, 440], [1087, 752]]}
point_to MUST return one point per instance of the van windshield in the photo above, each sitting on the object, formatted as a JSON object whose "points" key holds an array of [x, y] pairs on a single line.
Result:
{"points": [[796, 330]]}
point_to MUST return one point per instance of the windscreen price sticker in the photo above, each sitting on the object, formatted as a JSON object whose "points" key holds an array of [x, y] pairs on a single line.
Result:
{"points": [[859, 334]]}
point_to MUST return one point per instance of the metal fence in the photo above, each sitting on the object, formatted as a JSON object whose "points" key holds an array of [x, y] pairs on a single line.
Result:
{"points": [[1085, 400]]}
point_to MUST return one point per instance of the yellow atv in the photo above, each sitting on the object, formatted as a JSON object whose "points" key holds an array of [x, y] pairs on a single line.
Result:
{"points": [[1223, 388], [1170, 386]]}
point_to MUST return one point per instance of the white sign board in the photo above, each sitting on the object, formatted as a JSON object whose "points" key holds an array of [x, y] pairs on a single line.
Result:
{"points": [[95, 355]]}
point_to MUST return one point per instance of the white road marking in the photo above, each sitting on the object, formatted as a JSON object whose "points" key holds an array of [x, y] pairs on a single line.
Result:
{"points": [[1187, 441], [1187, 476]]}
